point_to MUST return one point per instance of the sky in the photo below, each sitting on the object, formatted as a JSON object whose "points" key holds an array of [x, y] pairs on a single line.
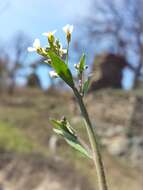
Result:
{"points": [[37, 16], [34, 17]]}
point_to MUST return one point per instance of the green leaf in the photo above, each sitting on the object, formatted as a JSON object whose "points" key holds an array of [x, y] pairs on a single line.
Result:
{"points": [[61, 68], [86, 86], [67, 132], [82, 63], [78, 147], [60, 125]]}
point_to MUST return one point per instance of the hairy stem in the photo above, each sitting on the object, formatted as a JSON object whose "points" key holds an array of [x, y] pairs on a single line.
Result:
{"points": [[94, 144]]}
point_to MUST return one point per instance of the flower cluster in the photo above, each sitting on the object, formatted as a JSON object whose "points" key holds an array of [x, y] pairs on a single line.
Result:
{"points": [[54, 45], [54, 54]]}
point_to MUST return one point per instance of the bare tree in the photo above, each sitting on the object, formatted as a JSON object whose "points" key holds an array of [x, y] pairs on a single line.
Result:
{"points": [[118, 25], [16, 53], [4, 60]]}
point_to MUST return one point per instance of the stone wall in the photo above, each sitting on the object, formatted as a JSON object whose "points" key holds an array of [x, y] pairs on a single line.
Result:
{"points": [[119, 122]]}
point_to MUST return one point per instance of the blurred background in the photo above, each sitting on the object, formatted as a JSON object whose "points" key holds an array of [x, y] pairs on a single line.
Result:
{"points": [[111, 35]]}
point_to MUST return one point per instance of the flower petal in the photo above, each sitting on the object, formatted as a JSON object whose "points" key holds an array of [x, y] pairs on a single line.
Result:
{"points": [[68, 28], [49, 33], [31, 49], [53, 74], [36, 43]]}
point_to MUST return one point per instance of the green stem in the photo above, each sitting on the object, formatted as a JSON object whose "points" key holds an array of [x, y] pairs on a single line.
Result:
{"points": [[81, 83], [94, 144], [67, 55]]}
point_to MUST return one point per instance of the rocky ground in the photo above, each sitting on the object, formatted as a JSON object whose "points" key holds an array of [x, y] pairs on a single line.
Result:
{"points": [[37, 173], [37, 160]]}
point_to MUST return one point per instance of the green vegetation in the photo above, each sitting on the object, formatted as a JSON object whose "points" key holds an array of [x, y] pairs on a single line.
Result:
{"points": [[12, 139]]}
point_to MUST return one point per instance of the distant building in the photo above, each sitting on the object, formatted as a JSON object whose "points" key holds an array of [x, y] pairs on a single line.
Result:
{"points": [[108, 71]]}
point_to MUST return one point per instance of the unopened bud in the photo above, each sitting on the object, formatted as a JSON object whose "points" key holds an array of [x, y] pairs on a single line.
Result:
{"points": [[50, 36], [48, 61], [68, 29], [68, 37], [53, 74], [76, 66], [86, 67]]}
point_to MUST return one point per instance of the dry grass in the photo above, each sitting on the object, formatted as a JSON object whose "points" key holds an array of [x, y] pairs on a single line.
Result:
{"points": [[28, 113]]}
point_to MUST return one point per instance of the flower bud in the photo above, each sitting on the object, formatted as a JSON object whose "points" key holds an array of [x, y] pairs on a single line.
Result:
{"points": [[68, 29], [76, 66], [50, 36], [86, 67], [53, 74], [36, 46], [48, 61]]}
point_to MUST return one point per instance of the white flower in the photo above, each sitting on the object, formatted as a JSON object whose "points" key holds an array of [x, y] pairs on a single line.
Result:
{"points": [[36, 46], [68, 29], [53, 74], [76, 66], [47, 61], [48, 34], [62, 51]]}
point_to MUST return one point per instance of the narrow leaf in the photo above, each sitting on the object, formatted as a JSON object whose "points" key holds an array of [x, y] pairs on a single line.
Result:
{"points": [[73, 142], [67, 132], [86, 86], [82, 63], [79, 148], [61, 68]]}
